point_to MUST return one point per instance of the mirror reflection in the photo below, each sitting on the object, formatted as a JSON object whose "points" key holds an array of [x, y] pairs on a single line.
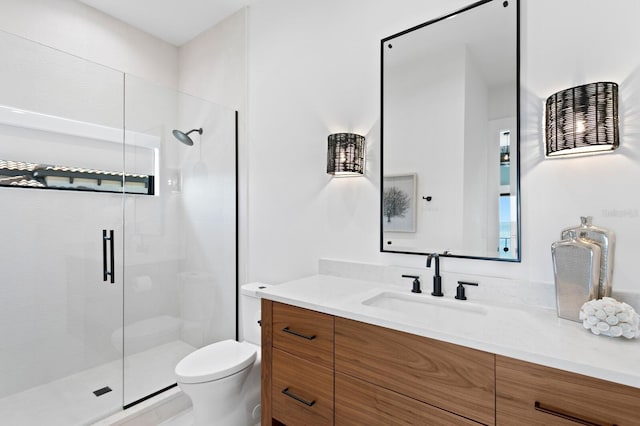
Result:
{"points": [[450, 135]]}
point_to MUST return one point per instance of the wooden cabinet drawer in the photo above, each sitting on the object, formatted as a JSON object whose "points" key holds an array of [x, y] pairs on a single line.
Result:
{"points": [[302, 392], [305, 333], [454, 378], [361, 403], [519, 385]]}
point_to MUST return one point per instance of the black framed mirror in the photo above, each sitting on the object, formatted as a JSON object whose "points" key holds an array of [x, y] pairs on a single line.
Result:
{"points": [[450, 135]]}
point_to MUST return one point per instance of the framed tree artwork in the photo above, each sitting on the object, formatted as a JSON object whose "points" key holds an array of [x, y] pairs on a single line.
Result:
{"points": [[399, 203]]}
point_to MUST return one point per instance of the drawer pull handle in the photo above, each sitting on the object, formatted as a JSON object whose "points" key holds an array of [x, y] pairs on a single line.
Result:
{"points": [[552, 411], [297, 398], [295, 333]]}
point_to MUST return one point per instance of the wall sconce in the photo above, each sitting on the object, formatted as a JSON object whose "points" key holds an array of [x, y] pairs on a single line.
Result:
{"points": [[582, 120], [345, 154]]}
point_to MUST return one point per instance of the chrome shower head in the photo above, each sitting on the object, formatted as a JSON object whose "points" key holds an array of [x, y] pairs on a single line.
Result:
{"points": [[184, 137]]}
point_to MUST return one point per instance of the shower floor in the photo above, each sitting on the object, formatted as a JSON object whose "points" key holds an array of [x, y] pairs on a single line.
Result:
{"points": [[70, 401]]}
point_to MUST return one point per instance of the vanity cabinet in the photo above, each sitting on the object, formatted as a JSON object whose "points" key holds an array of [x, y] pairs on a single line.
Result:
{"points": [[303, 333], [532, 394], [302, 391], [362, 403], [381, 376], [297, 366], [450, 377], [318, 369]]}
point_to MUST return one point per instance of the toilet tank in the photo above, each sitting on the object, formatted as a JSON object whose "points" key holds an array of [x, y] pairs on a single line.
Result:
{"points": [[250, 312]]}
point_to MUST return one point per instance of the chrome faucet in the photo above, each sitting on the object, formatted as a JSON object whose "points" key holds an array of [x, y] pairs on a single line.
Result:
{"points": [[437, 279]]}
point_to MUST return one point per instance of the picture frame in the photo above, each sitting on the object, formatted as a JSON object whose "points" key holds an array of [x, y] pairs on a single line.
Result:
{"points": [[399, 203]]}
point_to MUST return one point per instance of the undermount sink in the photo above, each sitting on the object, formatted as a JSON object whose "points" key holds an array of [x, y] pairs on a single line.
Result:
{"points": [[421, 304]]}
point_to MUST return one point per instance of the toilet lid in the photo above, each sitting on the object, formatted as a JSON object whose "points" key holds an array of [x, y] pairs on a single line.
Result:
{"points": [[215, 361]]}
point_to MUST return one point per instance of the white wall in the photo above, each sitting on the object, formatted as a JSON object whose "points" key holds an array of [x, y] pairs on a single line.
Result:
{"points": [[213, 66], [556, 193], [317, 71], [78, 29], [314, 73]]}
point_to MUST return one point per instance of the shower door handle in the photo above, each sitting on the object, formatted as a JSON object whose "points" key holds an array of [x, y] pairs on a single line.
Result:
{"points": [[106, 273]]}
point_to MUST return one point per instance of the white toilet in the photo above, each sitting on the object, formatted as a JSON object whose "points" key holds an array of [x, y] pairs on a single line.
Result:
{"points": [[223, 379]]}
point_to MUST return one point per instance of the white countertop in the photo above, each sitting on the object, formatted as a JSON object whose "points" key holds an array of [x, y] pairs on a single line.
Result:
{"points": [[529, 334]]}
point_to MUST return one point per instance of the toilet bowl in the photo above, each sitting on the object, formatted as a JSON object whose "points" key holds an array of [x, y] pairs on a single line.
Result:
{"points": [[223, 379]]}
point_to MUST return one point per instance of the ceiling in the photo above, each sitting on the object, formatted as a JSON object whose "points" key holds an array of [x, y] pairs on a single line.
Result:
{"points": [[174, 21]]}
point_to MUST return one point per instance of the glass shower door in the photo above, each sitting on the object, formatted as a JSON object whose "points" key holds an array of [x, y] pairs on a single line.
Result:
{"points": [[180, 265], [61, 286]]}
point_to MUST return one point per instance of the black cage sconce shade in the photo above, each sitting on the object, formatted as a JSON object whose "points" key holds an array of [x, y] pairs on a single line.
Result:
{"points": [[583, 119], [345, 154]]}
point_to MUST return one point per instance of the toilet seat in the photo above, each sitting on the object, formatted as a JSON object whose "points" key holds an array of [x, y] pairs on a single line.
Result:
{"points": [[215, 361]]}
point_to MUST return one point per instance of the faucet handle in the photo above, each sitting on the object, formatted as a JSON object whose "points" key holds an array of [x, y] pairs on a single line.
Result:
{"points": [[460, 290], [416, 283]]}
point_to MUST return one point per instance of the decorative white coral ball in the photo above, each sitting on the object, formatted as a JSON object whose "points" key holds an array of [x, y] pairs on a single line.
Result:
{"points": [[611, 318]]}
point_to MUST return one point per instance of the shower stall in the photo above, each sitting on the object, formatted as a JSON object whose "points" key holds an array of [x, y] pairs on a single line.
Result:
{"points": [[118, 252]]}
